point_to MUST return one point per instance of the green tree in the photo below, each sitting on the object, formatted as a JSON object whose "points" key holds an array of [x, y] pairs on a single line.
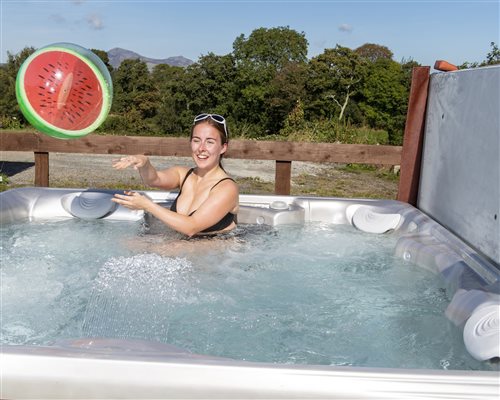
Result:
{"points": [[169, 82], [492, 58], [104, 57], [372, 52], [258, 59], [385, 98], [274, 47], [135, 97], [14, 61], [335, 76], [213, 79], [407, 67], [10, 112], [205, 86], [286, 91]]}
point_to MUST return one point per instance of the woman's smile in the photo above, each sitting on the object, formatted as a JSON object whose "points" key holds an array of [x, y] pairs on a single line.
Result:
{"points": [[206, 144]]}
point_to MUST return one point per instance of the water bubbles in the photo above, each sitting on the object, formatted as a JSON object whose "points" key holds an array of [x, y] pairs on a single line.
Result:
{"points": [[444, 364], [133, 296], [17, 332], [282, 294]]}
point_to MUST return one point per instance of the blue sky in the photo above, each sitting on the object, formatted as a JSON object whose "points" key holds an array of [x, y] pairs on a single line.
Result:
{"points": [[425, 31]]}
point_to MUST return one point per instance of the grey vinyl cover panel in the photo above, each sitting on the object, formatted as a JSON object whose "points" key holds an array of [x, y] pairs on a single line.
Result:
{"points": [[460, 176]]}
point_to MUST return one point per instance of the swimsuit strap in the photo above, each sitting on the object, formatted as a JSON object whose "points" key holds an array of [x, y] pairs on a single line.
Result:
{"points": [[184, 180], [223, 179], [191, 171], [173, 207], [227, 220]]}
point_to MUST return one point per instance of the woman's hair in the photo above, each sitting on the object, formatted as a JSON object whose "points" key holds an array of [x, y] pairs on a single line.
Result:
{"points": [[217, 125], [220, 128]]}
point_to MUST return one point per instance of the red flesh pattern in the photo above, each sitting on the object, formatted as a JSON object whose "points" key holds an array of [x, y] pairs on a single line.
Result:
{"points": [[43, 81]]}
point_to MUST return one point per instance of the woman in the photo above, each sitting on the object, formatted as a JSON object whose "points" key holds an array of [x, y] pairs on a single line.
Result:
{"points": [[208, 198]]}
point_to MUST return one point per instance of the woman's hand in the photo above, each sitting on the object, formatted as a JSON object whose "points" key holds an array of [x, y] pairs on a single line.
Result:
{"points": [[130, 161], [132, 200]]}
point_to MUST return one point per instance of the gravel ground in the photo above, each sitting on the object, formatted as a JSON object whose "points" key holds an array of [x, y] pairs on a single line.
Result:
{"points": [[94, 170]]}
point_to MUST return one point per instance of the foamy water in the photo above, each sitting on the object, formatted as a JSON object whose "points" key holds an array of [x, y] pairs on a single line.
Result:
{"points": [[314, 294]]}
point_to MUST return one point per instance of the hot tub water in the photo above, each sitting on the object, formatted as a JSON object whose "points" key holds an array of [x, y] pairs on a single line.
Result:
{"points": [[298, 294]]}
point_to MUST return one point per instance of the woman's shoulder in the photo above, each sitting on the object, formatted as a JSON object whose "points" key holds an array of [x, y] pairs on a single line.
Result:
{"points": [[174, 176], [181, 171], [226, 182], [223, 176]]}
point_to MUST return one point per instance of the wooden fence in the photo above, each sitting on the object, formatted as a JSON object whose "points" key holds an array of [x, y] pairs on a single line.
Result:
{"points": [[283, 153]]}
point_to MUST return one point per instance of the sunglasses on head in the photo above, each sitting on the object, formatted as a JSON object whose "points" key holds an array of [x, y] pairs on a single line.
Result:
{"points": [[214, 117]]}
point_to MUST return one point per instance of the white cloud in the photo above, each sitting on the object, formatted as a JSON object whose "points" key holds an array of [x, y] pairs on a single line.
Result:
{"points": [[95, 21], [345, 28]]}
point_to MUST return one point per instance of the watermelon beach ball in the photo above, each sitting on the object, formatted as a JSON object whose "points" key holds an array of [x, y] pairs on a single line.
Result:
{"points": [[64, 90]]}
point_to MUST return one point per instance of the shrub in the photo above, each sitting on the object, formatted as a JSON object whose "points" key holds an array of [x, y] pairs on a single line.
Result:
{"points": [[7, 122]]}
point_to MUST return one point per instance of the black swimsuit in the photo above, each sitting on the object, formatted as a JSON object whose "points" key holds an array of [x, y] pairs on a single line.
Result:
{"points": [[227, 220]]}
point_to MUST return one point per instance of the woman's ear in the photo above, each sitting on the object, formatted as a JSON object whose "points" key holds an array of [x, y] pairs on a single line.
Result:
{"points": [[224, 149]]}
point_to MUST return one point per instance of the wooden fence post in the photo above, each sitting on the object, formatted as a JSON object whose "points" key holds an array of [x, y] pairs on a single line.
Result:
{"points": [[411, 155], [283, 177], [41, 168]]}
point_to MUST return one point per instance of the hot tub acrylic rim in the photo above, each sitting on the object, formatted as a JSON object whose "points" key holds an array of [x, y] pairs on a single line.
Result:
{"points": [[68, 376]]}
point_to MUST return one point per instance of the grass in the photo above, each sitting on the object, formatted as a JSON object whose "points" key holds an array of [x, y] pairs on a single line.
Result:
{"points": [[375, 183], [347, 181], [4, 182]]}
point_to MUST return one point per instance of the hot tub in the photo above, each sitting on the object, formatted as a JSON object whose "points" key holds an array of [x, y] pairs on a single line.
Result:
{"points": [[130, 363]]}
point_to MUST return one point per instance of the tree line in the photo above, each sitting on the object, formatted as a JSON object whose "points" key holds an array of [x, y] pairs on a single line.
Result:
{"points": [[266, 87]]}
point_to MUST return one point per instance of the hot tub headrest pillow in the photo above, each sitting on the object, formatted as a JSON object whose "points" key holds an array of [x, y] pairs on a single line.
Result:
{"points": [[88, 205], [482, 331], [367, 220]]}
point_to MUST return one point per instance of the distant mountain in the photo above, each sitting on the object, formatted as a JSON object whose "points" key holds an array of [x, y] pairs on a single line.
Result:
{"points": [[117, 56]]}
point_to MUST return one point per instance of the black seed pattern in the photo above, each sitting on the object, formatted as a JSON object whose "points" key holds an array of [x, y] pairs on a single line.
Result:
{"points": [[77, 104]]}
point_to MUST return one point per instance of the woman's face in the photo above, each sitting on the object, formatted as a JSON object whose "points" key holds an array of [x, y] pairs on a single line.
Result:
{"points": [[206, 146]]}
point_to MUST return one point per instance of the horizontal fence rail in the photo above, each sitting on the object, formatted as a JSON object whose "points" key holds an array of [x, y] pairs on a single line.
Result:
{"points": [[283, 153]]}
